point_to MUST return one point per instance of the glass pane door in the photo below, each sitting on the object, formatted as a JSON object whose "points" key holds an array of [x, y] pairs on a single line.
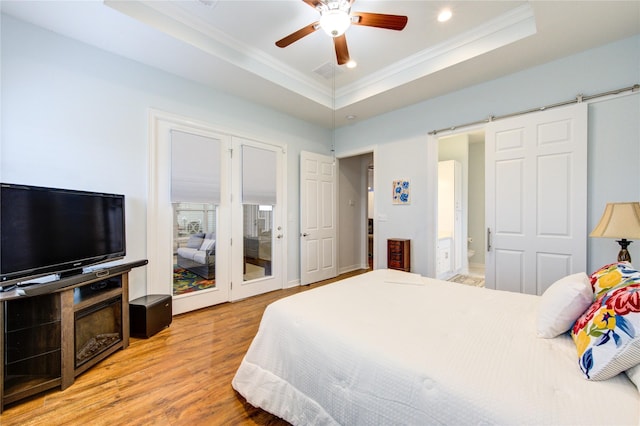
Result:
{"points": [[258, 235], [200, 222], [258, 196], [194, 238]]}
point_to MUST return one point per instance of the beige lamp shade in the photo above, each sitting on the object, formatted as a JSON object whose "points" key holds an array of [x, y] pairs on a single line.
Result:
{"points": [[619, 220]]}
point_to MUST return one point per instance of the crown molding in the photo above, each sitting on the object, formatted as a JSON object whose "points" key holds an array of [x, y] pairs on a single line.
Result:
{"points": [[505, 29], [176, 21], [171, 19]]}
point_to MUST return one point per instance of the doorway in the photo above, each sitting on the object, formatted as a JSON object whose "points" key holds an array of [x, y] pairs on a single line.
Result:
{"points": [[463, 253], [355, 212]]}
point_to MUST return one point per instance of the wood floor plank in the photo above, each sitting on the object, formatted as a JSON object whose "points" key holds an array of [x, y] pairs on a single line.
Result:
{"points": [[180, 376]]}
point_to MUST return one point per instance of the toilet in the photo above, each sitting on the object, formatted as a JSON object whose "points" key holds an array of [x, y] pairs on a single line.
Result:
{"points": [[470, 252]]}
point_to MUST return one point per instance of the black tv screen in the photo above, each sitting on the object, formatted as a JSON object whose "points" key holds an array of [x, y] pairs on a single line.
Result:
{"points": [[47, 230]]}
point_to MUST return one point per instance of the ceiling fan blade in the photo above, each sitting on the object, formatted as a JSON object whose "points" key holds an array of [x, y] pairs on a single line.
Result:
{"points": [[342, 53], [380, 20], [313, 3], [295, 36]]}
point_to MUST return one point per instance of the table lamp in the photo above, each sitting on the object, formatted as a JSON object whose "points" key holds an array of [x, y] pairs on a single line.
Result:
{"points": [[619, 220]]}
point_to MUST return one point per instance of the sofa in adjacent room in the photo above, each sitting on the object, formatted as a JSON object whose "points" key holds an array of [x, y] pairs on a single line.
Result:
{"points": [[198, 256]]}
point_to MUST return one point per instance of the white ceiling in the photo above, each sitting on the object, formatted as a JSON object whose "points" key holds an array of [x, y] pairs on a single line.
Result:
{"points": [[229, 45]]}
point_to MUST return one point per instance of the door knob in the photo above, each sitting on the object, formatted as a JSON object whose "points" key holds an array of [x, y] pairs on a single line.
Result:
{"points": [[304, 234]]}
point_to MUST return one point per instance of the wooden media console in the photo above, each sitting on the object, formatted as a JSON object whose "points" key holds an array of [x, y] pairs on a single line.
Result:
{"points": [[52, 332]]}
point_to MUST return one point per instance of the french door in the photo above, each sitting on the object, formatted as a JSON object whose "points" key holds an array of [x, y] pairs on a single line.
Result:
{"points": [[206, 245], [258, 200], [536, 196]]}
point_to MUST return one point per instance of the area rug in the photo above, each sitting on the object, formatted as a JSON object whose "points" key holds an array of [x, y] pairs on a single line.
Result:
{"points": [[187, 282], [468, 280]]}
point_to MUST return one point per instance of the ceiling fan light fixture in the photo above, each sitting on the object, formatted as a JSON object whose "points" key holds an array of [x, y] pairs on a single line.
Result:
{"points": [[445, 15], [335, 22]]}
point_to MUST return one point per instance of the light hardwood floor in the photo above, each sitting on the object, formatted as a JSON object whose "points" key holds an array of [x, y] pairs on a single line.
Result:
{"points": [[180, 376]]}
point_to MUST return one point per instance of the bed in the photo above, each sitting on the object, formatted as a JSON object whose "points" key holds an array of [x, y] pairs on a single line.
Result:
{"points": [[389, 347]]}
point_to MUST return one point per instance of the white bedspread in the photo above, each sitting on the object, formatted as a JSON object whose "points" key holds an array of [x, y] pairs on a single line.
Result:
{"points": [[388, 347]]}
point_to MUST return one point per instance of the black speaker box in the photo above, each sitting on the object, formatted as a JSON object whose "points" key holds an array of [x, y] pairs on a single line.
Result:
{"points": [[149, 314]]}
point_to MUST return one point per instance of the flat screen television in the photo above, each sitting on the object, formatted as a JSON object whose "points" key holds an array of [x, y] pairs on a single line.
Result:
{"points": [[45, 231]]}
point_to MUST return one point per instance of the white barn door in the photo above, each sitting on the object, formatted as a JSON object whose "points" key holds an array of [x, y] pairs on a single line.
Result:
{"points": [[318, 229], [536, 199]]}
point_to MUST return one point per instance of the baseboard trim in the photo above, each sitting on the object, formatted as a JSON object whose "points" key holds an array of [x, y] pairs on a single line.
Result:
{"points": [[351, 268], [292, 283]]}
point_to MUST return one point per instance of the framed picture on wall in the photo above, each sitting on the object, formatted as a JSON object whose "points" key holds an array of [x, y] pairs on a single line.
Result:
{"points": [[401, 192]]}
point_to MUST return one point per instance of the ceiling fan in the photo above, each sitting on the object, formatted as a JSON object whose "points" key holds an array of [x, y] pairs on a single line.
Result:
{"points": [[335, 19]]}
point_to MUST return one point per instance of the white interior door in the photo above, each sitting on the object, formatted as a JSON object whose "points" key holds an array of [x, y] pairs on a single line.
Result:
{"points": [[258, 242], [318, 230], [536, 199]]}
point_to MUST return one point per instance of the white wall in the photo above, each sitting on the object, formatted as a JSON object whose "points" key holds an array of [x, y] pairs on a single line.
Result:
{"points": [[614, 135], [403, 159], [614, 162], [74, 116]]}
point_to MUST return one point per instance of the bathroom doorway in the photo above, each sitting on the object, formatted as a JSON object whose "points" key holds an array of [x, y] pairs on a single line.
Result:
{"points": [[461, 238]]}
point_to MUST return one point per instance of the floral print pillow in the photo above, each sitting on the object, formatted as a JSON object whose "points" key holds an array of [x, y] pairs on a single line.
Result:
{"points": [[612, 276], [607, 335]]}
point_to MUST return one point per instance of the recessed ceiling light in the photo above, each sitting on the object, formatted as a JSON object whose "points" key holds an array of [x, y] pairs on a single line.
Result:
{"points": [[352, 64], [350, 117], [444, 15]]}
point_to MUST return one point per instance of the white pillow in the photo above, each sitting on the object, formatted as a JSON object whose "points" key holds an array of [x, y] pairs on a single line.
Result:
{"points": [[207, 244], [634, 375], [562, 303]]}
